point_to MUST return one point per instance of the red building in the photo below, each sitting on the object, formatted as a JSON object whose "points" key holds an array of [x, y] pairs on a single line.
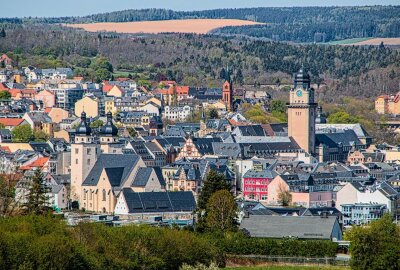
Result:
{"points": [[255, 184]]}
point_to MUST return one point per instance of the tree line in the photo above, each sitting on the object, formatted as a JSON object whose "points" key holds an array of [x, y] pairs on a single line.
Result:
{"points": [[198, 60], [298, 24]]}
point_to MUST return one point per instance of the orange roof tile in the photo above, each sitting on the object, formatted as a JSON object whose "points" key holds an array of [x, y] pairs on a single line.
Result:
{"points": [[40, 162], [3, 87], [11, 122], [5, 149]]}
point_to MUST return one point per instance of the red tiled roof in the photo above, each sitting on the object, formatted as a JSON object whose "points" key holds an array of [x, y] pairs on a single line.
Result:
{"points": [[3, 87], [11, 122], [5, 149], [15, 92], [39, 163], [107, 87]]}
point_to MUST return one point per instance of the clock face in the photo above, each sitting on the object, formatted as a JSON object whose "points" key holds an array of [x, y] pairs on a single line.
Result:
{"points": [[299, 93]]}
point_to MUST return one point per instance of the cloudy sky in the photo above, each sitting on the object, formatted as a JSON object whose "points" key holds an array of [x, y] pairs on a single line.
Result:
{"points": [[55, 8]]}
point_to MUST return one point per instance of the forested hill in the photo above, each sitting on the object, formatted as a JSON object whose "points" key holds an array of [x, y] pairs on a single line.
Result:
{"points": [[298, 24]]}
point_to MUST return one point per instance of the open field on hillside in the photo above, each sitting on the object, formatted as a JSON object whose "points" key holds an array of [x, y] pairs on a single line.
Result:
{"points": [[377, 41], [198, 26], [348, 41]]}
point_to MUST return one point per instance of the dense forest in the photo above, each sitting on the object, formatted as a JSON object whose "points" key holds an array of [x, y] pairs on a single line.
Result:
{"points": [[198, 59], [298, 24]]}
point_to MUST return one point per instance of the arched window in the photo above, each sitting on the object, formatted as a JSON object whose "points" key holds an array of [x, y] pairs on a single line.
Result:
{"points": [[84, 194], [104, 195]]}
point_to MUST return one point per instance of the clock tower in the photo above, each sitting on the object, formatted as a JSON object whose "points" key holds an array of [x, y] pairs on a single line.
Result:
{"points": [[302, 111]]}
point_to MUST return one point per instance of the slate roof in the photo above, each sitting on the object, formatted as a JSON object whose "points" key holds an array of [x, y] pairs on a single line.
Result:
{"points": [[307, 227], [278, 129], [142, 177], [156, 202], [175, 131], [117, 166], [203, 93], [346, 138], [56, 188], [217, 124], [41, 147], [231, 150], [251, 130], [259, 174], [357, 128], [204, 145]]}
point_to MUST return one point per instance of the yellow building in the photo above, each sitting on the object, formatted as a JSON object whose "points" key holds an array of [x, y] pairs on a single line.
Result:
{"points": [[89, 105], [58, 114], [109, 105], [116, 92], [386, 104]]}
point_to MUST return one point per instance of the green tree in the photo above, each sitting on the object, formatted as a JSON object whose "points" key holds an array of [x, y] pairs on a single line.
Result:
{"points": [[214, 181], [284, 196], [40, 136], [376, 246], [5, 94], [37, 198], [213, 113], [278, 106], [342, 118], [22, 134], [2, 126], [2, 33], [7, 194], [97, 123], [221, 212], [132, 132]]}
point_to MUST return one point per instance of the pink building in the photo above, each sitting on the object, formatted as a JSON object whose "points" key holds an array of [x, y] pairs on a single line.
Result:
{"points": [[255, 184], [47, 97], [300, 195]]}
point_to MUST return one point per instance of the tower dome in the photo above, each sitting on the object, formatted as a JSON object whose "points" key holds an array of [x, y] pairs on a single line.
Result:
{"points": [[83, 128], [301, 78], [109, 129], [320, 119]]}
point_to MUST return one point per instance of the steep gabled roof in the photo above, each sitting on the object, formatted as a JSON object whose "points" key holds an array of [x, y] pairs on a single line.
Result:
{"points": [[120, 165]]}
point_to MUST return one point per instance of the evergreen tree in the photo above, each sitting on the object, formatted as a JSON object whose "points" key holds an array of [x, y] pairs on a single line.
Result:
{"points": [[2, 33], [37, 198], [213, 114], [215, 181]]}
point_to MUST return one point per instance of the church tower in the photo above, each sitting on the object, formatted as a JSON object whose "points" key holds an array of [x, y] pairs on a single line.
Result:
{"points": [[227, 92], [84, 152], [302, 112], [109, 136]]}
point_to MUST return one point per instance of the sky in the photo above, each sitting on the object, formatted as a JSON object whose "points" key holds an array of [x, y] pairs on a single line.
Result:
{"points": [[58, 8]]}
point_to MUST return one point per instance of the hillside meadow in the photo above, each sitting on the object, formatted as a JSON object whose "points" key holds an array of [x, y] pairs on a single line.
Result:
{"points": [[197, 26]]}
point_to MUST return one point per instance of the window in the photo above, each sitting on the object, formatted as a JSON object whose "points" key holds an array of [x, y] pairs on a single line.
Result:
{"points": [[76, 161], [88, 151], [84, 194], [104, 195]]}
